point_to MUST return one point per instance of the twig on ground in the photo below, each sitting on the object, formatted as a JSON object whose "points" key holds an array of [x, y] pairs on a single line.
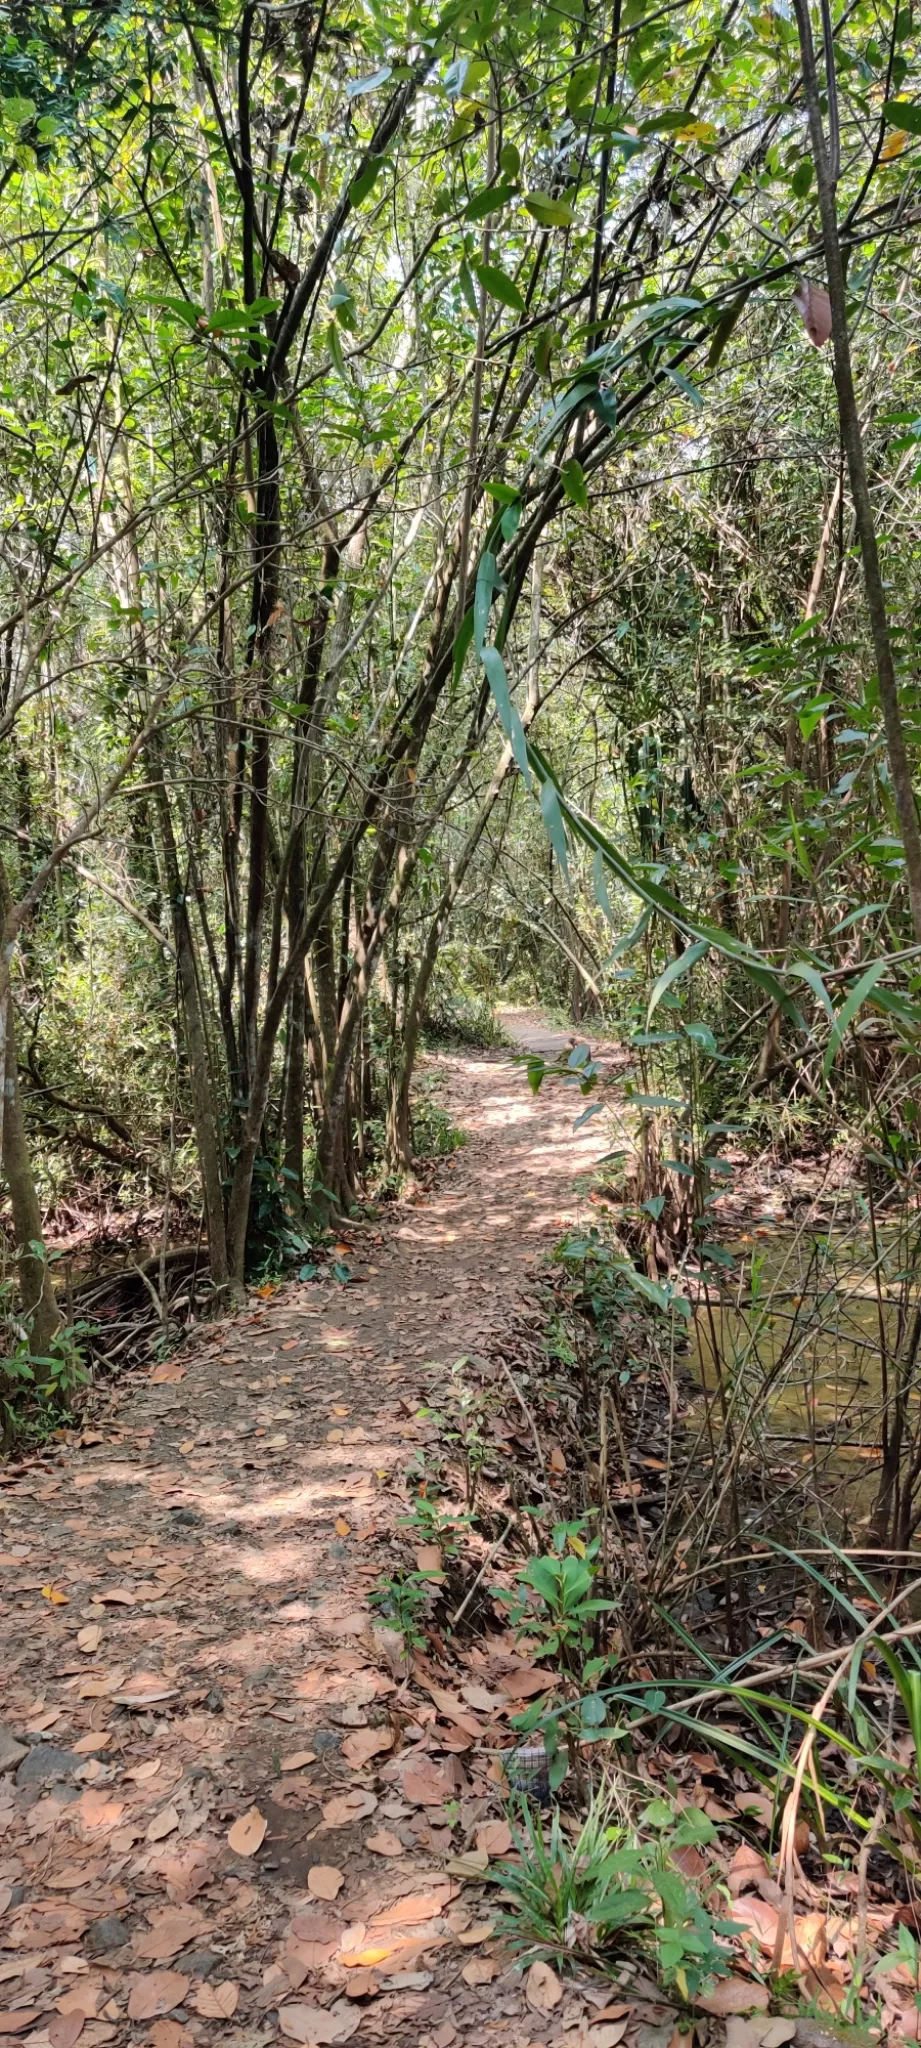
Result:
{"points": [[454, 1618]]}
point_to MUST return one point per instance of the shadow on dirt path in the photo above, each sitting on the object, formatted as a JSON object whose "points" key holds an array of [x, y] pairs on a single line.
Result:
{"points": [[186, 1636]]}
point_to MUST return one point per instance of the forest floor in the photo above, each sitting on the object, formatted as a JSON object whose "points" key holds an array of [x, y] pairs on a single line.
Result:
{"points": [[225, 1811]]}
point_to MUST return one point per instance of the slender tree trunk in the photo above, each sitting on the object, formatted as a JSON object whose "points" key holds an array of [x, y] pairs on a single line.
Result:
{"points": [[852, 437], [204, 1110], [36, 1294], [399, 1134]]}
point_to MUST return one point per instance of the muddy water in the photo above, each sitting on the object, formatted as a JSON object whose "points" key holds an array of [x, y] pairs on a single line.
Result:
{"points": [[797, 1341]]}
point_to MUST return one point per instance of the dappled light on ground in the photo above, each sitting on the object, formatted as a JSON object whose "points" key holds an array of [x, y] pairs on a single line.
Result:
{"points": [[185, 1615]]}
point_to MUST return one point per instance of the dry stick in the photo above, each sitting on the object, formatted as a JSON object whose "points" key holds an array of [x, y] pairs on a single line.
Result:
{"points": [[476, 406], [454, 1618], [860, 1955], [852, 438], [538, 1446], [625, 1461], [787, 1857]]}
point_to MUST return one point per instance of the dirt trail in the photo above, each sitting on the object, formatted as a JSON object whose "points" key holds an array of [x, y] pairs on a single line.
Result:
{"points": [[185, 1609]]}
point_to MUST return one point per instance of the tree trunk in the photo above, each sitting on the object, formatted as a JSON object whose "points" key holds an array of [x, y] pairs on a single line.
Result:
{"points": [[852, 437], [204, 1110], [36, 1294]]}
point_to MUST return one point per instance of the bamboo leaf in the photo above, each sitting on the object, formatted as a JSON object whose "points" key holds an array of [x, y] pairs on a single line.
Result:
{"points": [[848, 1012], [673, 972]]}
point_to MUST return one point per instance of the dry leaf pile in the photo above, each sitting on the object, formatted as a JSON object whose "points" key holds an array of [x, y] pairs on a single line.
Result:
{"points": [[225, 1812], [229, 1810]]}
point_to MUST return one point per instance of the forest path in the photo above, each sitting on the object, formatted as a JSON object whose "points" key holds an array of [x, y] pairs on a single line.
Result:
{"points": [[185, 1615]]}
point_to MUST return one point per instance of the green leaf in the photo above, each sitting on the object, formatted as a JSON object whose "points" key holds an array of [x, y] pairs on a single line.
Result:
{"points": [[488, 581], [335, 348], [904, 114], [573, 476], [519, 745], [684, 385], [576, 400], [498, 285], [543, 349], [490, 200], [802, 178], [498, 682], [356, 86], [366, 179], [726, 326], [510, 520], [462, 643], [848, 1011], [468, 288], [580, 85], [510, 160], [553, 819], [549, 213], [599, 881], [812, 714], [804, 972], [674, 971], [18, 111]]}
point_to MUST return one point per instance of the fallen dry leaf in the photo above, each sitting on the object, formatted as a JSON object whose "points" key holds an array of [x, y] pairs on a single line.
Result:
{"points": [[471, 1936], [759, 1916], [324, 1881], [427, 1788], [748, 1869], [298, 1760], [166, 1373], [480, 1970], [89, 1638], [84, 1998], [523, 1681], [315, 2026], [477, 1696], [217, 2001], [735, 1995], [359, 1748], [343, 1528], [385, 1843], [756, 1803], [65, 2029], [495, 1836], [316, 1927], [171, 1929], [428, 1560], [248, 1833], [139, 1701], [348, 1806], [417, 1906], [156, 1993], [472, 1865], [164, 1823], [17, 2022], [167, 2034], [92, 1745], [542, 1988], [141, 1773]]}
